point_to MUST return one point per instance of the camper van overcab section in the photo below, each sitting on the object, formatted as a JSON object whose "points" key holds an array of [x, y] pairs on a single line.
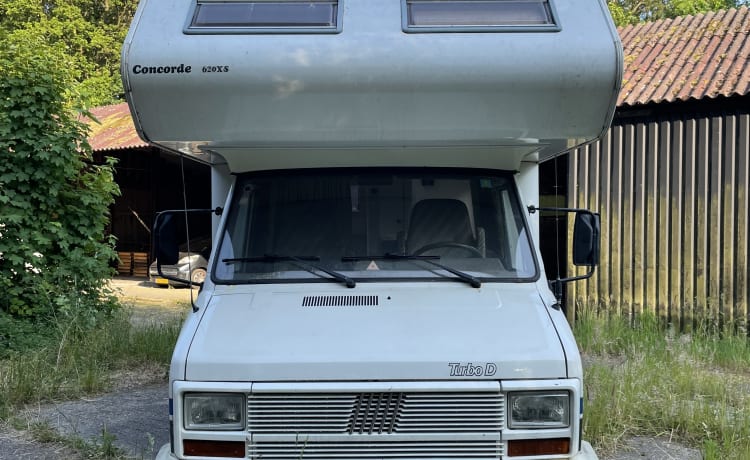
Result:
{"points": [[375, 288]]}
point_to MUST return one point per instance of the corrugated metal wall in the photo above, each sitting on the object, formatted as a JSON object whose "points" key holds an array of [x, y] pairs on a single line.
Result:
{"points": [[672, 191]]}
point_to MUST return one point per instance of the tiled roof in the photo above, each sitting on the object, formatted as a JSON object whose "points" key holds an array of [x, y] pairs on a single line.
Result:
{"points": [[690, 57], [115, 129]]}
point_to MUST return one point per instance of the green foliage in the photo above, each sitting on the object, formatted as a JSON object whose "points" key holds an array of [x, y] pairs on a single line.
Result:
{"points": [[626, 12], [89, 33], [23, 334], [54, 201]]}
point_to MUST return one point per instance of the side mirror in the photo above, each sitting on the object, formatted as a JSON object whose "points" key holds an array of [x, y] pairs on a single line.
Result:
{"points": [[586, 239], [169, 230], [586, 244], [166, 248]]}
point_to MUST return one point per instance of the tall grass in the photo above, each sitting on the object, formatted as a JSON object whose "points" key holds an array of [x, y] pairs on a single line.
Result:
{"points": [[73, 360], [643, 378]]}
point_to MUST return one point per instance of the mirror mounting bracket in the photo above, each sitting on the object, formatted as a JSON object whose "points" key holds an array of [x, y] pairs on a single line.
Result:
{"points": [[557, 284]]}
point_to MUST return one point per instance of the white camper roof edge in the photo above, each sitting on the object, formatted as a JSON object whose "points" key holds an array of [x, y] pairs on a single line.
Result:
{"points": [[372, 86]]}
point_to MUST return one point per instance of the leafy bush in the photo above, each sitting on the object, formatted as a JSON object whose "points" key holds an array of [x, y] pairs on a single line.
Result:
{"points": [[23, 334], [54, 201]]}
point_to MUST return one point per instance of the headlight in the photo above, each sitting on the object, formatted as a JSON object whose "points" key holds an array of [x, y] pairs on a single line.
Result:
{"points": [[214, 411], [539, 409]]}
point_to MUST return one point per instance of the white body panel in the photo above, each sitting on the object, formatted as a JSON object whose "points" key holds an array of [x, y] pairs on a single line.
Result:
{"points": [[308, 100], [264, 333], [259, 105]]}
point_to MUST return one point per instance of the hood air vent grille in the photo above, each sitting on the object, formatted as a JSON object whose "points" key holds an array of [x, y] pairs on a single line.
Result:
{"points": [[340, 301]]}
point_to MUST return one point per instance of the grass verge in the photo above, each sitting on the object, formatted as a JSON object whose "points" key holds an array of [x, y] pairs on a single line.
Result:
{"points": [[71, 361], [103, 448], [645, 379]]}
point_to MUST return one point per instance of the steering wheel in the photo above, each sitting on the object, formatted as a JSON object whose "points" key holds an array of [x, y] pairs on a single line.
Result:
{"points": [[447, 244]]}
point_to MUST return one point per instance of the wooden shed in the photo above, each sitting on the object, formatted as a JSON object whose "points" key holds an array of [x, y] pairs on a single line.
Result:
{"points": [[150, 181], [671, 177]]}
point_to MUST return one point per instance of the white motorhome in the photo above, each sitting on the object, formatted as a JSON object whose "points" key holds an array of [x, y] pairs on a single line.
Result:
{"points": [[375, 289]]}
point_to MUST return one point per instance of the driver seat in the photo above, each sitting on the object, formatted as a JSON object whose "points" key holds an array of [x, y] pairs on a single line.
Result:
{"points": [[439, 220]]}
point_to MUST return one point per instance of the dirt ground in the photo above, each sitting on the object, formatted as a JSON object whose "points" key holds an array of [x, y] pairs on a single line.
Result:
{"points": [[137, 413], [141, 292], [645, 448], [152, 303]]}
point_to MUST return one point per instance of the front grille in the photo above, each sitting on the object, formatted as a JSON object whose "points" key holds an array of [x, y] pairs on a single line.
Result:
{"points": [[380, 412], [306, 449], [380, 424], [299, 413]]}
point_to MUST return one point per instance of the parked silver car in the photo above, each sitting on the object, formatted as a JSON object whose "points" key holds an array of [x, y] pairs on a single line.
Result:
{"points": [[191, 266]]}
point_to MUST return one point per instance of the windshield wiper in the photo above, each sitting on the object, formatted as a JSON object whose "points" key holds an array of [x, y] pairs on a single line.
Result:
{"points": [[300, 261], [471, 280]]}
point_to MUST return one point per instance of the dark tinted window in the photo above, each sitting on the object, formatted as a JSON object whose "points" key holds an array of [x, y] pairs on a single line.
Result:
{"points": [[265, 14], [487, 13], [349, 221]]}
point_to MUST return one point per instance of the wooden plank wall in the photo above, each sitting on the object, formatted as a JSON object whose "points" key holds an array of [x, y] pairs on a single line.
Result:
{"points": [[673, 196]]}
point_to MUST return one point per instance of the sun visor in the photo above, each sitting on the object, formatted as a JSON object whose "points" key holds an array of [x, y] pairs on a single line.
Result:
{"points": [[360, 82]]}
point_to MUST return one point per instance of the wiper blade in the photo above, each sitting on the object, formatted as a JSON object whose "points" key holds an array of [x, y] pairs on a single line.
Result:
{"points": [[300, 261], [270, 258], [471, 280]]}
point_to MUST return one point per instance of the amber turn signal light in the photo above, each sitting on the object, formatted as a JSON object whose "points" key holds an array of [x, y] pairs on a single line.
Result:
{"points": [[524, 447], [201, 448]]}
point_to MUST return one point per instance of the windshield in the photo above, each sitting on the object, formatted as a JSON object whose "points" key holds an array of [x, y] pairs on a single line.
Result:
{"points": [[374, 225]]}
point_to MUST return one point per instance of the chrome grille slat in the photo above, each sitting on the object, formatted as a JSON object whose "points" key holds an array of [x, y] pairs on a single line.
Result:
{"points": [[382, 450]]}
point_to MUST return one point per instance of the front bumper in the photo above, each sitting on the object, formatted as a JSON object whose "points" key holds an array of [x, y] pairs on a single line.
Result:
{"points": [[586, 453], [165, 454], [168, 270]]}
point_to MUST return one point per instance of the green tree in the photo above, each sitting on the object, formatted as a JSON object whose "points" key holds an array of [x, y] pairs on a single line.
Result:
{"points": [[89, 32], [54, 200], [626, 12]]}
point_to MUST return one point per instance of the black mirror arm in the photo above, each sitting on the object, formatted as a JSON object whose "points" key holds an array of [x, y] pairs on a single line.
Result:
{"points": [[532, 209], [558, 283]]}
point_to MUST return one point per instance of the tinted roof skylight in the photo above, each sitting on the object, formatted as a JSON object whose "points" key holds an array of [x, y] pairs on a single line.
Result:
{"points": [[478, 13], [265, 15]]}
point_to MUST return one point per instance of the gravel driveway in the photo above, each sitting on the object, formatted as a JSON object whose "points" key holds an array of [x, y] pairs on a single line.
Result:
{"points": [[138, 416]]}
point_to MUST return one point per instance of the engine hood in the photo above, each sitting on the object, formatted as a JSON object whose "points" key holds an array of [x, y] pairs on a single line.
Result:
{"points": [[416, 332]]}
